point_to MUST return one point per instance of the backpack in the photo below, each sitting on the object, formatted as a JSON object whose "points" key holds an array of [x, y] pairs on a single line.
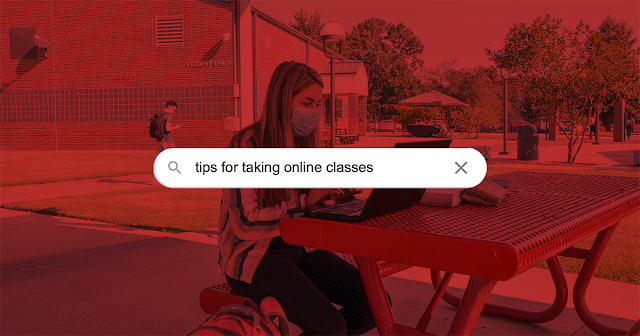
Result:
{"points": [[246, 318], [156, 126]]}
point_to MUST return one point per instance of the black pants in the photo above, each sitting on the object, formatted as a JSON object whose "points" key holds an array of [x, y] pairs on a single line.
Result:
{"points": [[592, 130], [306, 285]]}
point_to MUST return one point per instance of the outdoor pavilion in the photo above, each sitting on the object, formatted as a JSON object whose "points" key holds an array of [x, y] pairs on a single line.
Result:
{"points": [[432, 98]]}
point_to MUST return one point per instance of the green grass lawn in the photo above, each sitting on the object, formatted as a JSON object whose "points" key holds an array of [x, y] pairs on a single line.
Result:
{"points": [[621, 260], [155, 208], [31, 167]]}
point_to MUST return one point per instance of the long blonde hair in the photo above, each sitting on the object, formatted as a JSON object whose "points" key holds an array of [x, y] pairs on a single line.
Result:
{"points": [[273, 129]]}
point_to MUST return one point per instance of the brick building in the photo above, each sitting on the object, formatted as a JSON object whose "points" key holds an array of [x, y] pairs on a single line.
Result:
{"points": [[113, 64]]}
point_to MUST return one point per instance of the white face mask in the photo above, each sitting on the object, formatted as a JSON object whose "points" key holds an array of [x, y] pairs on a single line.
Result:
{"points": [[303, 120]]}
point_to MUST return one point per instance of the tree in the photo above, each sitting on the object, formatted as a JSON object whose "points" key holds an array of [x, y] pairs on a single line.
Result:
{"points": [[616, 38], [477, 87], [475, 117], [574, 70], [311, 25], [410, 114], [390, 54], [438, 78]]}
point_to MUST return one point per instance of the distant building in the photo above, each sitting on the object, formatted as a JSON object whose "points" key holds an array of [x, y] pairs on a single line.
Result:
{"points": [[112, 64], [351, 95]]}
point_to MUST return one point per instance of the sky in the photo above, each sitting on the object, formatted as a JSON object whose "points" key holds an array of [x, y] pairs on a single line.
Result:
{"points": [[458, 29]]}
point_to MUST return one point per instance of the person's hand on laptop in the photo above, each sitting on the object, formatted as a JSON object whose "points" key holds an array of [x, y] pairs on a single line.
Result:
{"points": [[350, 192], [319, 195]]}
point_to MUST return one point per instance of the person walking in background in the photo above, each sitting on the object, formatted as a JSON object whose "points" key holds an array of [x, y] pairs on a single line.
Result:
{"points": [[166, 141], [253, 257], [591, 122], [631, 125]]}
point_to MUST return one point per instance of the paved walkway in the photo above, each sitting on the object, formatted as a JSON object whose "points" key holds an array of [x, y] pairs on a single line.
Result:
{"points": [[67, 276]]}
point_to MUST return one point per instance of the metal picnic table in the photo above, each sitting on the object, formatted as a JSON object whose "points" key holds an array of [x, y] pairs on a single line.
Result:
{"points": [[344, 136], [347, 137], [545, 216]]}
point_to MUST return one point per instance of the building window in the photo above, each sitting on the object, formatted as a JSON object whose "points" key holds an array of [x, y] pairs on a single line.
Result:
{"points": [[327, 113], [22, 43], [362, 107], [169, 31]]}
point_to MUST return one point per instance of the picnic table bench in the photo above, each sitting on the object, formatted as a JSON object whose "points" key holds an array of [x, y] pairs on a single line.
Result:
{"points": [[212, 298], [341, 138], [349, 139], [635, 330], [326, 141]]}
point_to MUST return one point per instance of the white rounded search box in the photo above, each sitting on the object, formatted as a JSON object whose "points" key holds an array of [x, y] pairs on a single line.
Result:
{"points": [[303, 168]]}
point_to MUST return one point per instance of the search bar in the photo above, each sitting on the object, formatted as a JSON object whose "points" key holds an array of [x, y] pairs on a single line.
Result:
{"points": [[302, 168]]}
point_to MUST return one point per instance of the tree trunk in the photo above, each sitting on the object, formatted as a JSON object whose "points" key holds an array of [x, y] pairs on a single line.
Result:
{"points": [[573, 160], [606, 122], [570, 148]]}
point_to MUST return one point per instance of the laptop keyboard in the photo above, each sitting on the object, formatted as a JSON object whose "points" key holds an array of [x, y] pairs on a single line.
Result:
{"points": [[344, 209]]}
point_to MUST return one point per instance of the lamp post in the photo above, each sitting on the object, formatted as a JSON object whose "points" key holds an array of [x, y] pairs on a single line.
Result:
{"points": [[504, 75], [332, 32]]}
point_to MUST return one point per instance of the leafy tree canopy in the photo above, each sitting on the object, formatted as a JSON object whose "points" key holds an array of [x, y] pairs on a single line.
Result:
{"points": [[478, 87], [390, 54], [574, 70], [410, 114], [311, 25]]}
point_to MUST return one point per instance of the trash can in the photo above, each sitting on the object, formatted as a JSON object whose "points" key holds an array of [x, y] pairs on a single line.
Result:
{"points": [[484, 150], [528, 141]]}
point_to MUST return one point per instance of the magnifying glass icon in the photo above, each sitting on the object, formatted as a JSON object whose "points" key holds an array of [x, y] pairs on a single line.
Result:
{"points": [[174, 169]]}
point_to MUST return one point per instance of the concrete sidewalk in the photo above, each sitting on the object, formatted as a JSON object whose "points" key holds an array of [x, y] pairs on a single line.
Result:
{"points": [[63, 276]]}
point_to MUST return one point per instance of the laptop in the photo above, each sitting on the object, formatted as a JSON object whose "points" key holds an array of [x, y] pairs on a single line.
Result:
{"points": [[439, 143], [352, 209], [379, 202]]}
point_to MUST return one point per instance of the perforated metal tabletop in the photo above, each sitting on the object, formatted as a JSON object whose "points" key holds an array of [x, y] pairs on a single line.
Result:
{"points": [[545, 214]]}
